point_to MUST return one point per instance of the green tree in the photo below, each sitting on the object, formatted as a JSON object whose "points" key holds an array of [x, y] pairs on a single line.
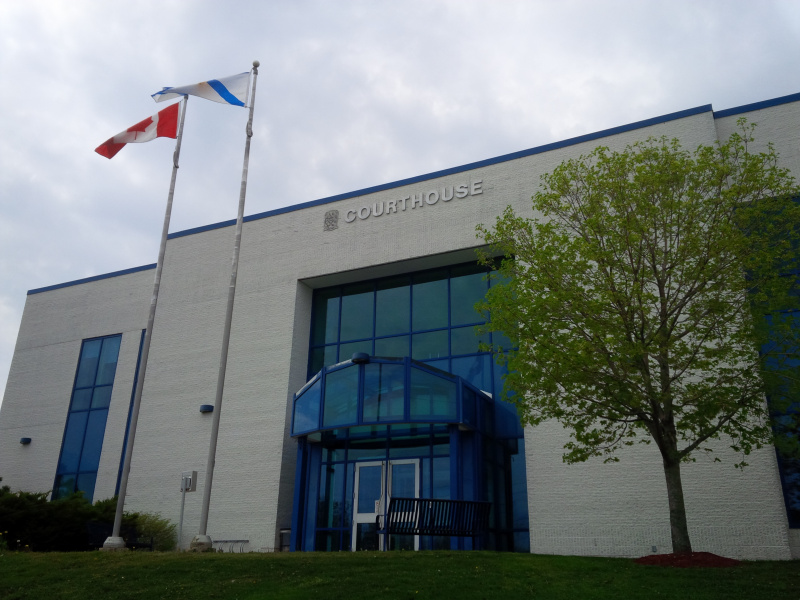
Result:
{"points": [[645, 301]]}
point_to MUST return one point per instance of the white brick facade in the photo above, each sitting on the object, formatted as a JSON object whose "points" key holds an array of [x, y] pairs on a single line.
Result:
{"points": [[591, 509]]}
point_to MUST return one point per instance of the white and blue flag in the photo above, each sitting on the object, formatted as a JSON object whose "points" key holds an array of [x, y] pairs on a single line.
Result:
{"points": [[226, 90]]}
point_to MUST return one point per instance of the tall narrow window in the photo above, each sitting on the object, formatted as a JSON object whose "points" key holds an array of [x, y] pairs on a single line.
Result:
{"points": [[86, 421]]}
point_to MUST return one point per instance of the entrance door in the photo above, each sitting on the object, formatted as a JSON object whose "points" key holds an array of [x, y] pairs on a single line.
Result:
{"points": [[369, 497], [367, 505]]}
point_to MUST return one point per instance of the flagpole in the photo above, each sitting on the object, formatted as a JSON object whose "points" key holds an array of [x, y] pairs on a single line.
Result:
{"points": [[115, 541], [202, 541]]}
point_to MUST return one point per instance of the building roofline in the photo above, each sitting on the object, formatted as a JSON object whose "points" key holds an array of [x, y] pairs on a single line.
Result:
{"points": [[451, 171], [90, 279], [756, 106]]}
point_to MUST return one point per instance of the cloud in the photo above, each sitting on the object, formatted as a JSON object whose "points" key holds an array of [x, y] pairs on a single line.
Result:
{"points": [[350, 94]]}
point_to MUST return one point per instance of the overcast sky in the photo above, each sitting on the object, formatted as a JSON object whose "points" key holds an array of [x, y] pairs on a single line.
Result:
{"points": [[350, 94]]}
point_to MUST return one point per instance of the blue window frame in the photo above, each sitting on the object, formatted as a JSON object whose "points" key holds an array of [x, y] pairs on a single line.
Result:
{"points": [[781, 357], [130, 413], [428, 315], [327, 522], [82, 444], [350, 394]]}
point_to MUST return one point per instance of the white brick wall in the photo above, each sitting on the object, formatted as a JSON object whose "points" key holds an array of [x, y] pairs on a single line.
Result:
{"points": [[583, 509], [42, 374], [623, 506], [794, 542]]}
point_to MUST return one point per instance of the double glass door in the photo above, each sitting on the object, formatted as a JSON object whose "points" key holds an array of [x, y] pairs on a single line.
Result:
{"points": [[375, 484]]}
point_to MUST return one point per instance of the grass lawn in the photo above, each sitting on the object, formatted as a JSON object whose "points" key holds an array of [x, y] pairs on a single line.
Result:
{"points": [[436, 575]]}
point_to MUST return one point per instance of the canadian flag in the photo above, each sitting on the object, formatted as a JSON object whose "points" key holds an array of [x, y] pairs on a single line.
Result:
{"points": [[162, 124]]}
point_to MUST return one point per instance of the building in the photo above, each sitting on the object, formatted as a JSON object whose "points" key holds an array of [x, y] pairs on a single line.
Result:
{"points": [[385, 271]]}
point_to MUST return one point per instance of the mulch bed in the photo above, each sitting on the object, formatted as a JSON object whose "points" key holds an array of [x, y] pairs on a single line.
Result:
{"points": [[692, 559]]}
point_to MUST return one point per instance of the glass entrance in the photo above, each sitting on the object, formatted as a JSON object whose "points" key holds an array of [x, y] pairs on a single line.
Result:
{"points": [[367, 504], [371, 500]]}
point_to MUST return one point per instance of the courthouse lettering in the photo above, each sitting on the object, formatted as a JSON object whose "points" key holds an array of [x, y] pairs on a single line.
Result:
{"points": [[414, 201]]}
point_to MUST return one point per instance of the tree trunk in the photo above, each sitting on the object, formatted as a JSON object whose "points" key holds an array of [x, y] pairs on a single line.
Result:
{"points": [[677, 510]]}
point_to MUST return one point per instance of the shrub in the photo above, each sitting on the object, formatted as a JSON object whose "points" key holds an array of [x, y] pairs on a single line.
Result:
{"points": [[28, 521], [33, 523], [160, 529]]}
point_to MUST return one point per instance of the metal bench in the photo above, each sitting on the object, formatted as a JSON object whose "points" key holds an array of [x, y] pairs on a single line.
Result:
{"points": [[432, 516], [231, 545]]}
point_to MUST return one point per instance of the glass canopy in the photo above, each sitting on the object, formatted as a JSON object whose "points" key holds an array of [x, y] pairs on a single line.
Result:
{"points": [[376, 390]]}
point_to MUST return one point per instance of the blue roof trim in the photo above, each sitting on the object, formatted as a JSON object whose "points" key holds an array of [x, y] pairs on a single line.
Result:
{"points": [[756, 106], [88, 279], [460, 169], [194, 230], [451, 171]]}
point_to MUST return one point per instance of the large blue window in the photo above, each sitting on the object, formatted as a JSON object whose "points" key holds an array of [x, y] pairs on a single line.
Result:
{"points": [[86, 421], [782, 359], [429, 316]]}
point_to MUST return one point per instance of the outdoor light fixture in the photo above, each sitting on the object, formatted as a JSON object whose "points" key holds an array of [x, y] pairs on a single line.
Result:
{"points": [[206, 408], [24, 441], [360, 358]]}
